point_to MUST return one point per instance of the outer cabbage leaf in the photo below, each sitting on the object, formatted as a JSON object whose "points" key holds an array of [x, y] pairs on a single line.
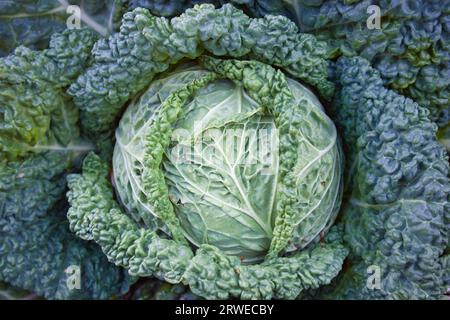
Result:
{"points": [[38, 143], [410, 49], [209, 274], [36, 114], [152, 289], [127, 61], [397, 215], [444, 137], [38, 246]]}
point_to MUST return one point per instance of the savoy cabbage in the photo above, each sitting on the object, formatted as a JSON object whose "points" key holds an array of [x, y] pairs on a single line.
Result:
{"points": [[235, 148], [235, 152], [40, 143]]}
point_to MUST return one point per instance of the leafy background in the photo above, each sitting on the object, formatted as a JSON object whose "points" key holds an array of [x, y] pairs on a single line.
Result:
{"points": [[410, 52]]}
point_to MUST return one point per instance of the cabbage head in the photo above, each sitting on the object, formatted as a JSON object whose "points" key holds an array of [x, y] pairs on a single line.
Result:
{"points": [[223, 165], [226, 173]]}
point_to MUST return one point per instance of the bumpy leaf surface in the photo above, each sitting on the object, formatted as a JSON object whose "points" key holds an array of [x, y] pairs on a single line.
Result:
{"points": [[38, 143], [126, 62], [210, 273], [397, 215]]}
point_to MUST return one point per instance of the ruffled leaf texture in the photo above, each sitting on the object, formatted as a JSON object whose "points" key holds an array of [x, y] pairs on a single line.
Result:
{"points": [[126, 62], [411, 49], [37, 246], [95, 215], [397, 216], [39, 141], [226, 196], [36, 114], [31, 23]]}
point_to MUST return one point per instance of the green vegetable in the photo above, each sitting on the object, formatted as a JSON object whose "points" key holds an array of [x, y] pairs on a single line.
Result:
{"points": [[126, 62], [39, 143], [397, 215], [204, 153], [410, 48], [301, 212], [37, 114]]}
